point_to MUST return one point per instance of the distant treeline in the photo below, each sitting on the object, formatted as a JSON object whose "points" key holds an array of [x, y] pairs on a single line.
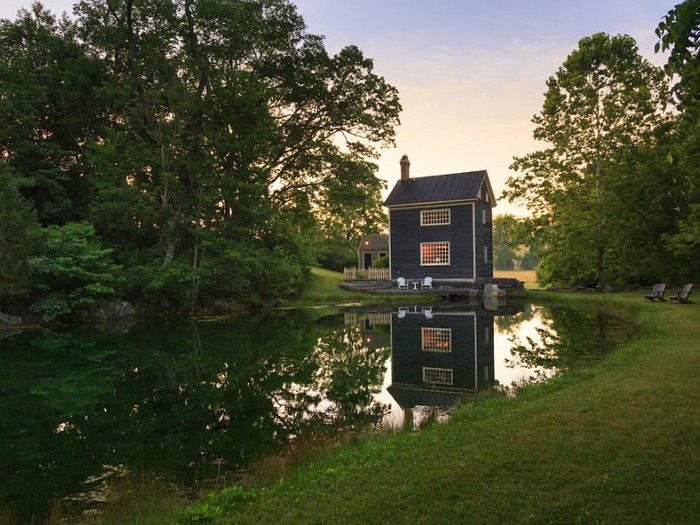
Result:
{"points": [[180, 155]]}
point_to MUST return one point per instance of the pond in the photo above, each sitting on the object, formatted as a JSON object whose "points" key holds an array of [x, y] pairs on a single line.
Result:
{"points": [[193, 402]]}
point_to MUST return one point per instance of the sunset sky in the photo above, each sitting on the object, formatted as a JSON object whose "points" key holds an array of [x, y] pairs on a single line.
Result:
{"points": [[470, 74]]}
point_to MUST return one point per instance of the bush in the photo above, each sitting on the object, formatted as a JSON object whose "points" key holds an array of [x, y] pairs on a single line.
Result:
{"points": [[72, 271], [242, 273], [336, 255], [382, 262]]}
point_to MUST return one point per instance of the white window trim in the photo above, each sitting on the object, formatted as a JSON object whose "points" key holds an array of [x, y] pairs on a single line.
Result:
{"points": [[448, 331], [447, 372], [449, 255], [438, 210]]}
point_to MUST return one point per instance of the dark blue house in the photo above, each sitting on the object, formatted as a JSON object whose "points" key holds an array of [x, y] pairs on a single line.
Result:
{"points": [[440, 226]]}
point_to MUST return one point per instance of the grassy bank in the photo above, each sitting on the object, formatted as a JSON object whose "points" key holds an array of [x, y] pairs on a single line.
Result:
{"points": [[529, 277], [614, 444], [323, 289]]}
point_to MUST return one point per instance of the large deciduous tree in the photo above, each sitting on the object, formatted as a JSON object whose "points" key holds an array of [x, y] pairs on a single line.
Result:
{"points": [[227, 117], [602, 104], [679, 33], [48, 108]]}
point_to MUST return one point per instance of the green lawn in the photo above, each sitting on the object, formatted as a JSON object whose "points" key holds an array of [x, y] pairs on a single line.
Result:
{"points": [[618, 443], [323, 288]]}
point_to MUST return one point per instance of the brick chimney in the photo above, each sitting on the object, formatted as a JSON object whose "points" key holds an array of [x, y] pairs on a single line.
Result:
{"points": [[405, 166]]}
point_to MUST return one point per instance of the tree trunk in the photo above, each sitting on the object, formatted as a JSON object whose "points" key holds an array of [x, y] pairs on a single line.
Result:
{"points": [[600, 249], [195, 273]]}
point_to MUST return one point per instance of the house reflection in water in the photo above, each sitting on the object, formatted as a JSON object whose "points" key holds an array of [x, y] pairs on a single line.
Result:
{"points": [[374, 327], [439, 357]]}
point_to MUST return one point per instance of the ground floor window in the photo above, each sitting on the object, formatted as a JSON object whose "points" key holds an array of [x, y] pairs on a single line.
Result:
{"points": [[435, 253], [436, 339]]}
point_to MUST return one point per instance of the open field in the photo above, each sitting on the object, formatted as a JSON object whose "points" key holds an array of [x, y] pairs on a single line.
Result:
{"points": [[529, 277], [613, 444]]}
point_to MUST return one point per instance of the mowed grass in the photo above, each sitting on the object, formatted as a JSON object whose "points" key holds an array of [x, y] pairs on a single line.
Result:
{"points": [[529, 277], [617, 443], [323, 288]]}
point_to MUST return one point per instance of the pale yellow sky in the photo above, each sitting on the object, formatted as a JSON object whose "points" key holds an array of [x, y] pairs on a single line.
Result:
{"points": [[472, 74]]}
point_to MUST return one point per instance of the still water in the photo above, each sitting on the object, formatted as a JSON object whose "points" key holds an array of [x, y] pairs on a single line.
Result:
{"points": [[193, 402]]}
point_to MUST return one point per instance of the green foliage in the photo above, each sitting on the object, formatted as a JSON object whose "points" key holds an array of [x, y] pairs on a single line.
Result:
{"points": [[688, 237], [382, 262], [18, 229], [218, 505], [679, 33], [602, 110], [48, 86], [514, 243], [72, 270], [337, 253], [165, 125], [250, 274]]}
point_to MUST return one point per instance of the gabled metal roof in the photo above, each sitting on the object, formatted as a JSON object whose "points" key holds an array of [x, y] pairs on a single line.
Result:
{"points": [[440, 188]]}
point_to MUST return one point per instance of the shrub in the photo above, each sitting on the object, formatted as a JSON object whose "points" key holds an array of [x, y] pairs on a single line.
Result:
{"points": [[72, 271]]}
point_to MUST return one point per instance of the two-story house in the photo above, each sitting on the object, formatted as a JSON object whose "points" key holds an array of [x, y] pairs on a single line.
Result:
{"points": [[441, 226]]}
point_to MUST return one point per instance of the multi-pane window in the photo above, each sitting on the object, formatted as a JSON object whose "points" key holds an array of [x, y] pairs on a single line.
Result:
{"points": [[434, 217], [435, 253], [437, 376], [436, 339]]}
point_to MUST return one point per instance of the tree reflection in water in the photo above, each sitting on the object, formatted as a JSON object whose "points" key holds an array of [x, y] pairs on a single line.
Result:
{"points": [[79, 407], [189, 402], [566, 338]]}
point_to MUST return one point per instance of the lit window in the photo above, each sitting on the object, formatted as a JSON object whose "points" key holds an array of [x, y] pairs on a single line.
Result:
{"points": [[435, 253], [437, 376], [434, 217], [436, 339]]}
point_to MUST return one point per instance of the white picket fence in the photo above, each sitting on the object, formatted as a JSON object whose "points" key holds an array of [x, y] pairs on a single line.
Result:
{"points": [[373, 274], [375, 318]]}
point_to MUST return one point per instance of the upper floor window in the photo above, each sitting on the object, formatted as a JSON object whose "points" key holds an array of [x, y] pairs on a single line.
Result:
{"points": [[483, 216], [435, 253], [437, 376], [434, 217]]}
